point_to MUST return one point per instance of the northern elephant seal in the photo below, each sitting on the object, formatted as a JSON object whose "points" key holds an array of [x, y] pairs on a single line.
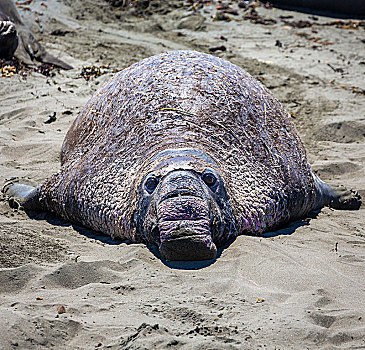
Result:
{"points": [[185, 150], [17, 40]]}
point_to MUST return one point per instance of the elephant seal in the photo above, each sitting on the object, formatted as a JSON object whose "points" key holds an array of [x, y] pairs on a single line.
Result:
{"points": [[17, 40], [184, 150]]}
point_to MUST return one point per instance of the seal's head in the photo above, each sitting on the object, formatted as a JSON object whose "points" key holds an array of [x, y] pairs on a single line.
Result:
{"points": [[184, 207]]}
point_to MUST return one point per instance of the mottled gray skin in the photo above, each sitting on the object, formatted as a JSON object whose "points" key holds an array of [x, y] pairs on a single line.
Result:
{"points": [[17, 40], [186, 151]]}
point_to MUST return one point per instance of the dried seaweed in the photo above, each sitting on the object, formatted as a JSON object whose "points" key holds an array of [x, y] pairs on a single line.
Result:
{"points": [[253, 16], [10, 67], [93, 71]]}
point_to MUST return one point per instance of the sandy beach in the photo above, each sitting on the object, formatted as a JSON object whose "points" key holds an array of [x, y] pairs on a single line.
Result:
{"points": [[302, 287]]}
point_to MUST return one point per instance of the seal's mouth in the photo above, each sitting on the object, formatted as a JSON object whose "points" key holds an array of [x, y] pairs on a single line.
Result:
{"points": [[184, 227]]}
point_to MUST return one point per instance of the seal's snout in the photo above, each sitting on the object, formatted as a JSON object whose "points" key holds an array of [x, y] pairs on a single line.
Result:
{"points": [[184, 227], [184, 219]]}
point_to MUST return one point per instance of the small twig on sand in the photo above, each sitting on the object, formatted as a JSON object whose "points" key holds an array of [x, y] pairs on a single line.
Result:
{"points": [[337, 70]]}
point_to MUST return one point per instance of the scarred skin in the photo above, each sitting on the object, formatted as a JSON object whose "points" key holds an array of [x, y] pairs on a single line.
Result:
{"points": [[184, 150]]}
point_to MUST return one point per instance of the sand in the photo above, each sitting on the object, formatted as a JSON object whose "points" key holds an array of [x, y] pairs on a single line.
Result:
{"points": [[302, 287]]}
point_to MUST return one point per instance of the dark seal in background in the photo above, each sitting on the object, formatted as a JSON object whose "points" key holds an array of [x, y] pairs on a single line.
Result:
{"points": [[348, 7]]}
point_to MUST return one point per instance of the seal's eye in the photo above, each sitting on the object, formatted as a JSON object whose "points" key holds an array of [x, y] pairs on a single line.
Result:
{"points": [[209, 179], [151, 184]]}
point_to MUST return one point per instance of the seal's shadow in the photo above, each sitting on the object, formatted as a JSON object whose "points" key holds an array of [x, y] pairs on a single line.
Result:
{"points": [[291, 227], [288, 229], [188, 265], [98, 236], [52, 219]]}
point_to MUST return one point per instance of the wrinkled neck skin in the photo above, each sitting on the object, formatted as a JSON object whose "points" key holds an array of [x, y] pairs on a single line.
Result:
{"points": [[184, 207]]}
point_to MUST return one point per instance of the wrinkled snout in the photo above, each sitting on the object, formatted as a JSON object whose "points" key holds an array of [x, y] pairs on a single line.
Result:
{"points": [[184, 219]]}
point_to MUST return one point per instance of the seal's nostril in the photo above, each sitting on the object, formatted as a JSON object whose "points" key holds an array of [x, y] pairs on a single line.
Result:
{"points": [[155, 233], [179, 193]]}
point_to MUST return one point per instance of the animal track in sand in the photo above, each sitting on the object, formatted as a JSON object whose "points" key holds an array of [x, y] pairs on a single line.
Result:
{"points": [[344, 131], [323, 320], [40, 332], [330, 168], [76, 274], [184, 314], [323, 301], [23, 246], [14, 280], [334, 325], [155, 334]]}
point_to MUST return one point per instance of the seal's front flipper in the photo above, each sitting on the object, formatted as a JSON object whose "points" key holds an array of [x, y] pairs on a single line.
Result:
{"points": [[337, 197], [29, 48], [48, 58], [22, 196], [345, 199]]}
